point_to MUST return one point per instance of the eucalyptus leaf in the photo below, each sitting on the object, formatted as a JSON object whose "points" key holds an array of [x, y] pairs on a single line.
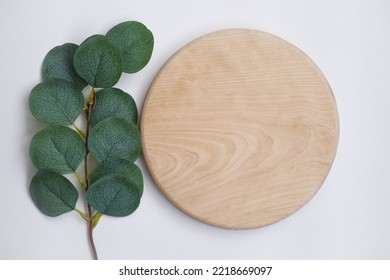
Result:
{"points": [[114, 138], [52, 193], [58, 63], [114, 195], [98, 61], [136, 43], [121, 167], [56, 101], [113, 102], [57, 148]]}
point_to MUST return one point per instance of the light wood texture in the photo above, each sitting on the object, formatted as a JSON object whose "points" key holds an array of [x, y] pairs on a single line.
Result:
{"points": [[239, 129]]}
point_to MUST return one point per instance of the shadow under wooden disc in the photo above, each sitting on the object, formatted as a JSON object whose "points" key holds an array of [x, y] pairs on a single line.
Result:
{"points": [[239, 129]]}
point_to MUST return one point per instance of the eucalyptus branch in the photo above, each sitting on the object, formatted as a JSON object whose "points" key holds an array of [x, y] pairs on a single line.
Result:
{"points": [[115, 187]]}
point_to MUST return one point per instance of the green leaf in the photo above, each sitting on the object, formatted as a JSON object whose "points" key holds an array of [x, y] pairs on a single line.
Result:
{"points": [[58, 64], [114, 195], [114, 138], [98, 61], [113, 102], [136, 43], [57, 148], [52, 193], [121, 167], [56, 101]]}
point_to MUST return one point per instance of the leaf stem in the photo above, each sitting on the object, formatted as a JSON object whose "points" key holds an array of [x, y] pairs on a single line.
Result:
{"points": [[79, 131], [96, 218], [81, 181], [90, 106], [92, 97], [82, 215]]}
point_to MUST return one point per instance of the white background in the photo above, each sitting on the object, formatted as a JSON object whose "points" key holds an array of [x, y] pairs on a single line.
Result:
{"points": [[349, 218]]}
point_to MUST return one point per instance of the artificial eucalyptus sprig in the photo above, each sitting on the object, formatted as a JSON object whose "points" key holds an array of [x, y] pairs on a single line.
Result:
{"points": [[111, 135]]}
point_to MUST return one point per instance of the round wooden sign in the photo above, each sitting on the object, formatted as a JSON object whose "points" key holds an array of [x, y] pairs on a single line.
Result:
{"points": [[239, 129]]}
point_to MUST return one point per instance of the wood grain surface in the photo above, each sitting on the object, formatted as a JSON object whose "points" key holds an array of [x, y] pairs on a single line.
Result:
{"points": [[239, 129]]}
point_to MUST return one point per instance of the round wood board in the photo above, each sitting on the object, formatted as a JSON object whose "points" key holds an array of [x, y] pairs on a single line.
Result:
{"points": [[239, 129]]}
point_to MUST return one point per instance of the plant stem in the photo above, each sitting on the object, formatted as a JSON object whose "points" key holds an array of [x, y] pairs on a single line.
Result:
{"points": [[90, 234], [90, 106]]}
